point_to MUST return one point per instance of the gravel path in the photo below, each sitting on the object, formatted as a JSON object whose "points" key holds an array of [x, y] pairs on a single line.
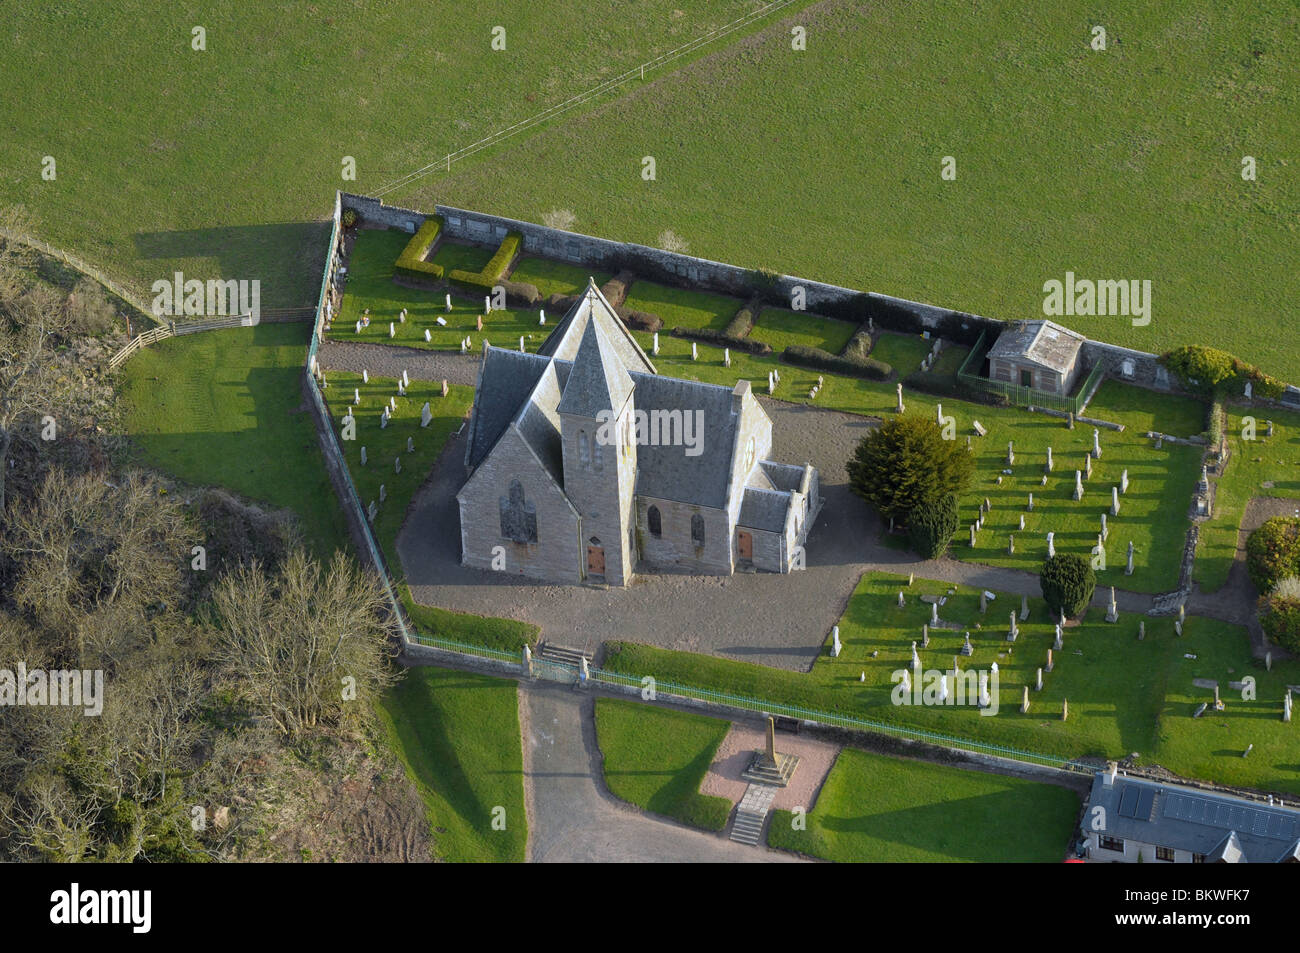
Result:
{"points": [[385, 361]]}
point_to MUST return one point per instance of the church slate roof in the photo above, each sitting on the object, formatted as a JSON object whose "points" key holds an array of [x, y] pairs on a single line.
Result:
{"points": [[563, 342], [505, 379], [667, 472], [764, 509], [599, 381]]}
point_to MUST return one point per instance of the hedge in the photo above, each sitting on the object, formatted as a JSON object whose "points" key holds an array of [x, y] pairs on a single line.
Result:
{"points": [[1280, 619], [411, 261], [868, 368], [521, 293], [1273, 552], [615, 290], [1208, 370], [494, 270], [640, 320], [560, 303], [859, 346], [720, 339], [743, 321]]}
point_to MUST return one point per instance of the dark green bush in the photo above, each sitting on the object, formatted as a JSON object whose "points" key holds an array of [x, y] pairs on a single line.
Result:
{"points": [[930, 526], [1208, 370], [615, 290], [743, 321], [411, 261], [1273, 552], [559, 304], [349, 218], [905, 464], [641, 320], [814, 357], [1279, 616], [859, 347], [1068, 584], [521, 293]]}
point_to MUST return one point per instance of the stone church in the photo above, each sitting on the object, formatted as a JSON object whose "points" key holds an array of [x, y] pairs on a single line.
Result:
{"points": [[586, 465]]}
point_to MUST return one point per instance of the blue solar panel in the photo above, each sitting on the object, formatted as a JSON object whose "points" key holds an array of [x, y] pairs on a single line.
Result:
{"points": [[1145, 800], [1128, 799], [1228, 816]]}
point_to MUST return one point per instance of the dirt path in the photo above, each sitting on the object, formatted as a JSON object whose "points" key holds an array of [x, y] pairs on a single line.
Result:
{"points": [[383, 360]]}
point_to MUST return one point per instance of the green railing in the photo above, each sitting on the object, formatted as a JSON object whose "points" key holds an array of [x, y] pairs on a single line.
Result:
{"points": [[1019, 396]]}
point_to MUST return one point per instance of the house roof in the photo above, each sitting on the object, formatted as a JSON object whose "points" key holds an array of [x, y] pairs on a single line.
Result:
{"points": [[1040, 342], [1220, 826]]}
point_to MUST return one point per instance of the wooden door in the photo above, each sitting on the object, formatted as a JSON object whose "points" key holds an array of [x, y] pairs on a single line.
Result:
{"points": [[745, 544], [595, 560]]}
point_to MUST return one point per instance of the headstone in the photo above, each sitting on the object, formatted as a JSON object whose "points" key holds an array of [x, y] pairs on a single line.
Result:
{"points": [[1070, 420], [1049, 460], [365, 376], [363, 456], [934, 613], [695, 351], [392, 403], [487, 304], [1031, 502], [522, 349], [440, 321], [906, 683], [1142, 630], [1096, 443], [1087, 467], [1011, 545], [1286, 706], [1024, 701], [984, 602], [478, 322], [1160, 440], [358, 327], [371, 510], [397, 464], [383, 493], [938, 414], [1123, 482], [425, 415], [445, 389], [428, 339], [1248, 391], [1182, 611], [1268, 428], [656, 345], [916, 659], [1043, 481], [410, 445], [726, 357], [1178, 628], [1051, 545], [464, 345], [1024, 608], [1105, 530], [541, 322], [925, 636], [1011, 454], [979, 428], [1078, 484], [401, 316], [966, 647], [1114, 501], [1128, 569], [771, 383], [1060, 638], [447, 298], [392, 330], [1014, 631], [1038, 684], [1112, 613], [901, 602], [911, 578], [943, 688], [1050, 663], [1200, 710], [835, 642], [899, 387], [1065, 709], [972, 535], [1268, 661], [984, 690], [356, 396], [401, 389], [1022, 521]]}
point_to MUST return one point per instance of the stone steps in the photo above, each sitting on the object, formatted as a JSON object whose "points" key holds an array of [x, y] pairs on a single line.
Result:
{"points": [[561, 654], [751, 814]]}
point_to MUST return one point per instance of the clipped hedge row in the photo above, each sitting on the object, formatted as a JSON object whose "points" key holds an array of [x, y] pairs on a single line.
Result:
{"points": [[868, 368], [494, 270], [640, 320], [411, 261], [743, 322], [615, 290], [720, 339], [859, 346]]}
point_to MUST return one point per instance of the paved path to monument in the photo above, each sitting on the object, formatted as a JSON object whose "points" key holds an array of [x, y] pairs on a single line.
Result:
{"points": [[572, 817]]}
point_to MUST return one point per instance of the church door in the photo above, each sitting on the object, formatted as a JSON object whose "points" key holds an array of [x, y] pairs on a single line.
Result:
{"points": [[595, 560], [745, 544]]}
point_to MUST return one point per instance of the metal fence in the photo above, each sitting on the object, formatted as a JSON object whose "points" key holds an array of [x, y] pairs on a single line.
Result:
{"points": [[1026, 396]]}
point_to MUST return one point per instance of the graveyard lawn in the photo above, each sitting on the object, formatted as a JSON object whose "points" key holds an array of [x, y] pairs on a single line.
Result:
{"points": [[681, 307], [225, 408], [782, 328], [385, 445], [656, 759], [875, 808], [370, 285], [550, 277], [458, 736], [1253, 463], [1125, 696]]}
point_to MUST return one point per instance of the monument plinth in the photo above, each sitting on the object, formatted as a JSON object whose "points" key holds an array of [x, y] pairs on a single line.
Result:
{"points": [[769, 766]]}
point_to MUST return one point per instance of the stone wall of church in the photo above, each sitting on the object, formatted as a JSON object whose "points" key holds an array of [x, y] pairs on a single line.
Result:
{"points": [[673, 549], [556, 554], [769, 551]]}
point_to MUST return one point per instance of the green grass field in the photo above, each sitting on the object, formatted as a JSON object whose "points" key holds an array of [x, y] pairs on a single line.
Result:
{"points": [[224, 408], [1122, 164], [875, 809], [656, 758], [782, 328], [555, 277], [681, 307], [236, 151], [458, 736], [1254, 463], [1125, 695]]}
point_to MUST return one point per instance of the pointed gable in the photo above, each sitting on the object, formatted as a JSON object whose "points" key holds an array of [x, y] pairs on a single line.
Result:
{"points": [[591, 307], [598, 381]]}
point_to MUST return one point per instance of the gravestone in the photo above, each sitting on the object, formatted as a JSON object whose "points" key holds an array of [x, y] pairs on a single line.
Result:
{"points": [[1048, 467], [1038, 683], [726, 357], [695, 352], [365, 376], [1123, 482], [1268, 661], [1096, 443], [655, 351], [397, 464], [916, 659], [1050, 663], [428, 339], [1178, 628], [1065, 709], [541, 322], [1128, 569], [984, 602], [445, 389], [1078, 485], [934, 613], [447, 299], [383, 493], [1087, 467], [835, 642], [1069, 421], [1105, 530], [1031, 502], [1024, 608], [1114, 501], [925, 636], [984, 690], [979, 428], [906, 683], [425, 415], [440, 321], [771, 383], [392, 330], [901, 601], [478, 322], [1051, 545], [356, 396], [1022, 521], [1286, 706], [1011, 454], [410, 445], [464, 345], [1014, 632], [1059, 644], [1011, 545], [487, 304], [1182, 611], [522, 349], [972, 535], [1268, 428], [1024, 701], [966, 647], [371, 510], [1142, 630], [1112, 613], [911, 578], [938, 414], [899, 387], [363, 456]]}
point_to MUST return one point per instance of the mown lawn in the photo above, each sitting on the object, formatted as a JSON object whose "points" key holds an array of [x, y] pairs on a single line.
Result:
{"points": [[781, 328], [877, 809], [458, 736], [1045, 132], [224, 408], [555, 277], [1254, 462], [1125, 696], [656, 759], [681, 307]]}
